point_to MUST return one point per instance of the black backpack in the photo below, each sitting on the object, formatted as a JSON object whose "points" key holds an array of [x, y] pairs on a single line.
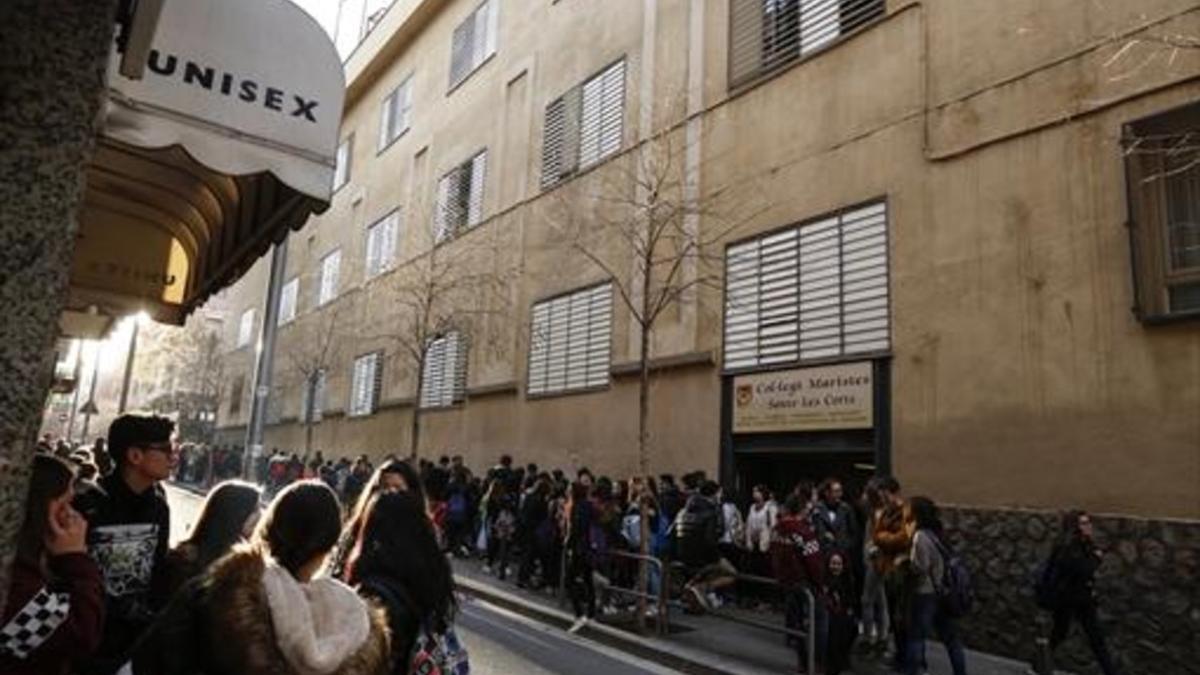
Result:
{"points": [[1047, 585], [956, 592]]}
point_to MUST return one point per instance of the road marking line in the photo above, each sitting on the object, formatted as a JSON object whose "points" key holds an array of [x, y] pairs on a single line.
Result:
{"points": [[614, 654]]}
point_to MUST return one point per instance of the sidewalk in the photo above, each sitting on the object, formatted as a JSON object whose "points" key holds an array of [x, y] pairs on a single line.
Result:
{"points": [[696, 644]]}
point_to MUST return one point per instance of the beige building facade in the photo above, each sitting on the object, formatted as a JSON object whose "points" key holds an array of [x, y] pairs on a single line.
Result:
{"points": [[1020, 346]]}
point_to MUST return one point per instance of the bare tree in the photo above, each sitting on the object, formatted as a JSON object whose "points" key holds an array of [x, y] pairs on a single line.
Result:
{"points": [[648, 227], [456, 285], [311, 350]]}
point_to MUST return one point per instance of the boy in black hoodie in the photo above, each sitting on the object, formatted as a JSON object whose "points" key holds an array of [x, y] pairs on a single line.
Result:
{"points": [[128, 532]]}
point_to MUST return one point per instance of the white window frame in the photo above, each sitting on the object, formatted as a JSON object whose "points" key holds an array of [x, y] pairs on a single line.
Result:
{"points": [[395, 113], [365, 384], [344, 158], [444, 379], [474, 41], [288, 296], [570, 346], [246, 328], [815, 291], [381, 244], [460, 192], [331, 265], [585, 125]]}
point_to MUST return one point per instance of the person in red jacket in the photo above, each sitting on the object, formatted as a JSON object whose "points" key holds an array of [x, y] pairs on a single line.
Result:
{"points": [[54, 617], [798, 565]]}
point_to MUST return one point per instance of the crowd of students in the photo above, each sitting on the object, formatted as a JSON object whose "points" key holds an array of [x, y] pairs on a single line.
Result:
{"points": [[346, 570]]}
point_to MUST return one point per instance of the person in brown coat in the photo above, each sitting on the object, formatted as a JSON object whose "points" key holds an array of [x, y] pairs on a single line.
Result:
{"points": [[54, 617], [894, 543]]}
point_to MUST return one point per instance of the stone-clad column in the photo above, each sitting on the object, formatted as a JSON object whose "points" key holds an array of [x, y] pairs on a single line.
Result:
{"points": [[53, 55]]}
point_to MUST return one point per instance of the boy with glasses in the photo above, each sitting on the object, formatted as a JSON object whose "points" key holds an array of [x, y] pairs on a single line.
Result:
{"points": [[128, 532]]}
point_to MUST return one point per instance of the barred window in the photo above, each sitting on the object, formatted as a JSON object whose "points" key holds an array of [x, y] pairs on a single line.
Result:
{"points": [[287, 301], [395, 113], [330, 268], [768, 34], [444, 379], [571, 342], [381, 244], [460, 198], [312, 404], [1163, 176], [246, 328], [584, 125], [815, 291], [366, 384], [341, 172], [473, 42]]}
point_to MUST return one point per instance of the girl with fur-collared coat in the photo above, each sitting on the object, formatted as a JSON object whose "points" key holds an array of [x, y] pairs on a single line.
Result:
{"points": [[264, 609]]}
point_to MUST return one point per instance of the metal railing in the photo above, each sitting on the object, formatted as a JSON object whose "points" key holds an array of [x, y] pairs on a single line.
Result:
{"points": [[659, 600]]}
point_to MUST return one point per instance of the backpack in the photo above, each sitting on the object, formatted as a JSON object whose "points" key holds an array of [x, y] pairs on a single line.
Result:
{"points": [[433, 652], [956, 592], [1047, 583], [456, 511]]}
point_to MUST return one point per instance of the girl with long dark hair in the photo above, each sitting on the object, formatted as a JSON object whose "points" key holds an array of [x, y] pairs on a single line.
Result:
{"points": [[923, 521], [54, 578], [398, 562], [228, 516], [392, 476]]}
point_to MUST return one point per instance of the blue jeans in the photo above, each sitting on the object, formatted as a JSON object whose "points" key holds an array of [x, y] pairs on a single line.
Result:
{"points": [[926, 617]]}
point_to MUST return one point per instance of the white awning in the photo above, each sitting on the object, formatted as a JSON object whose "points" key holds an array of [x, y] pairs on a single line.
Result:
{"points": [[226, 142]]}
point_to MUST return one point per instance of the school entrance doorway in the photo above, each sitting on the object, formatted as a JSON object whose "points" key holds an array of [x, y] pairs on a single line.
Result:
{"points": [[787, 426]]}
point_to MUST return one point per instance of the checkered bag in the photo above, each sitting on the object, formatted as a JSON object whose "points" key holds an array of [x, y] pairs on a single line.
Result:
{"points": [[35, 623]]}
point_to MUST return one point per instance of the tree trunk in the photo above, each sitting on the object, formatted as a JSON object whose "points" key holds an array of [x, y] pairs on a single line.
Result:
{"points": [[644, 433], [53, 55], [414, 437]]}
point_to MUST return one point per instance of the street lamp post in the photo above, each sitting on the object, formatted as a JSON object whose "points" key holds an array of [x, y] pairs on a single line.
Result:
{"points": [[129, 365]]}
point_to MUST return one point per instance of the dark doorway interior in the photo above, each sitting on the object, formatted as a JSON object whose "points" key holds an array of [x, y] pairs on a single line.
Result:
{"points": [[781, 471]]}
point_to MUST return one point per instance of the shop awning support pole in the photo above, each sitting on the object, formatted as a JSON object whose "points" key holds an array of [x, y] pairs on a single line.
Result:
{"points": [[264, 361]]}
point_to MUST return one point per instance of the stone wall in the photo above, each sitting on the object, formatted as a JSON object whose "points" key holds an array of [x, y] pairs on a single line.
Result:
{"points": [[1149, 588]]}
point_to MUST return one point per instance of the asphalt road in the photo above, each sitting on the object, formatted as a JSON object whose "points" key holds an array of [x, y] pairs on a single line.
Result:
{"points": [[500, 642]]}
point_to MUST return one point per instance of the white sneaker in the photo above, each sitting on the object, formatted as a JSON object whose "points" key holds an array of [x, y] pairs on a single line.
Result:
{"points": [[487, 569], [579, 623]]}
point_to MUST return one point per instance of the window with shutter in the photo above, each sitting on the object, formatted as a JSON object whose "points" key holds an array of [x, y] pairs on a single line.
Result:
{"points": [[330, 267], [394, 113], [366, 384], [1162, 164], [815, 291], [460, 198], [473, 41], [570, 342], [287, 301], [768, 34], [381, 244], [584, 125], [341, 173], [246, 328], [443, 383]]}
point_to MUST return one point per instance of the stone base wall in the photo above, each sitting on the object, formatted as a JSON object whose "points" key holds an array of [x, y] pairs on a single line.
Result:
{"points": [[1148, 588]]}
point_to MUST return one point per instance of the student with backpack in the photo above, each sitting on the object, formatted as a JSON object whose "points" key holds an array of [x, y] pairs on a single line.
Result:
{"points": [[1067, 587], [932, 604], [400, 566]]}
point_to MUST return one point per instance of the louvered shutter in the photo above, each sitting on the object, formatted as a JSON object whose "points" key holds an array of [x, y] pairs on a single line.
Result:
{"points": [[599, 352], [330, 266], [387, 250], [461, 47], [442, 215], [376, 382], [820, 24], [612, 109], [589, 134], [478, 175], [865, 305], [820, 290], [554, 137], [570, 346], [458, 354], [742, 269], [387, 115], [482, 41], [433, 374], [373, 249], [287, 302], [403, 105]]}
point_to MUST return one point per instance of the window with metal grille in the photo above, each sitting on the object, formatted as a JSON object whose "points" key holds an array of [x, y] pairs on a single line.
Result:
{"points": [[584, 125], [394, 113], [474, 41], [570, 344], [330, 268], [287, 301], [236, 392], [366, 384], [381, 244], [444, 380], [815, 291], [341, 172], [246, 328], [312, 405], [460, 198], [768, 34], [1162, 162]]}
